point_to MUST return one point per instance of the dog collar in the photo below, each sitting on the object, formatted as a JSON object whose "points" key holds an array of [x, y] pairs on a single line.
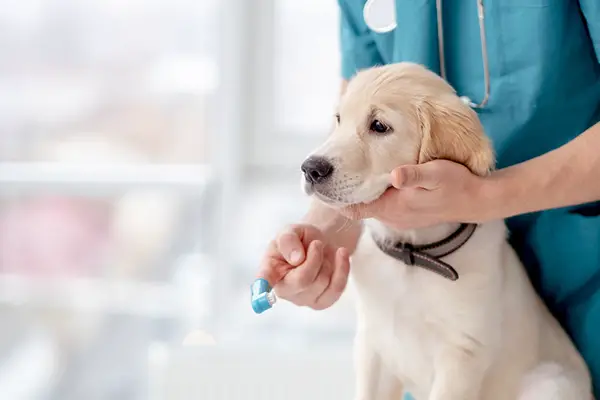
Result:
{"points": [[428, 255]]}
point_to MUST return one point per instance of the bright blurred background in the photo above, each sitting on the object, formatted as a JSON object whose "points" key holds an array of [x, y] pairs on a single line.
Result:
{"points": [[149, 150]]}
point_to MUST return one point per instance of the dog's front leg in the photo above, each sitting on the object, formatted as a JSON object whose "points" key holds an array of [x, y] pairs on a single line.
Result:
{"points": [[458, 376], [373, 380]]}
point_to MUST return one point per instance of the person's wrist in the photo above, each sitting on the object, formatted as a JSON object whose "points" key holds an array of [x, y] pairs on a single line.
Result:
{"points": [[496, 194]]}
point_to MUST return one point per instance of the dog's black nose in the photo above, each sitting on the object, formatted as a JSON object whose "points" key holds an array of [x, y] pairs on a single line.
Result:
{"points": [[317, 169]]}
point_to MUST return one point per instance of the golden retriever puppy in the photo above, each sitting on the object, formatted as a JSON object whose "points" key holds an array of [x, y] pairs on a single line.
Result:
{"points": [[446, 312]]}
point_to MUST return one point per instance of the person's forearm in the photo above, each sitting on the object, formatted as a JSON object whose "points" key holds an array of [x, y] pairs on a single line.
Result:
{"points": [[342, 231], [567, 176]]}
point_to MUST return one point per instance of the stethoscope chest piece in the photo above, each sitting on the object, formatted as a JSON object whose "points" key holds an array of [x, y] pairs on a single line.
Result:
{"points": [[380, 15]]}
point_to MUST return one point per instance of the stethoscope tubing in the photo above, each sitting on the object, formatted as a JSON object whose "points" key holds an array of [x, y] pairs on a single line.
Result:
{"points": [[391, 25]]}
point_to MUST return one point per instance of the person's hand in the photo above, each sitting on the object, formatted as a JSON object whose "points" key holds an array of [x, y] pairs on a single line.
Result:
{"points": [[427, 194], [304, 268]]}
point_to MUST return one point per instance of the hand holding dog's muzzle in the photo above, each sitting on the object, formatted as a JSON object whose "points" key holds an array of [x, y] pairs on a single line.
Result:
{"points": [[428, 194]]}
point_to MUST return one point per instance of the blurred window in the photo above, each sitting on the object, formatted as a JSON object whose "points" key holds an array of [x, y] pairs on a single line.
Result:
{"points": [[105, 172], [109, 80], [125, 126], [306, 65]]}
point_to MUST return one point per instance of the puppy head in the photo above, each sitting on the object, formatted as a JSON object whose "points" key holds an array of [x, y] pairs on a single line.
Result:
{"points": [[391, 116]]}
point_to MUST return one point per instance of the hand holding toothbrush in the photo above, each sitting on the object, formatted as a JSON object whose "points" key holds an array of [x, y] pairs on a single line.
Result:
{"points": [[302, 266]]}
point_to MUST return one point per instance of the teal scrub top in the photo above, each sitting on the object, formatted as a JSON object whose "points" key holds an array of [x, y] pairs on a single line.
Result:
{"points": [[545, 90]]}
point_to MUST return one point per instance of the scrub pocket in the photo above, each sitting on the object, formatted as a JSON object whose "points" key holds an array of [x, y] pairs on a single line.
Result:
{"points": [[566, 244]]}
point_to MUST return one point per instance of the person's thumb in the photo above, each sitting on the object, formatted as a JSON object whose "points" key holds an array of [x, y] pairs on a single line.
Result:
{"points": [[290, 245], [422, 175], [273, 270]]}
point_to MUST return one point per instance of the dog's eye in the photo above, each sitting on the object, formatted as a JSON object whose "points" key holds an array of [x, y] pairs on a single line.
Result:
{"points": [[378, 127], [337, 118]]}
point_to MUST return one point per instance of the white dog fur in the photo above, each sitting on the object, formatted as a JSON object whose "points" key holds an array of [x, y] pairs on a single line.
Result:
{"points": [[486, 336]]}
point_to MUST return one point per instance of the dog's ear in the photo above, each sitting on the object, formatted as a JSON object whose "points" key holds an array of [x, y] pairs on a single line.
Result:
{"points": [[451, 131]]}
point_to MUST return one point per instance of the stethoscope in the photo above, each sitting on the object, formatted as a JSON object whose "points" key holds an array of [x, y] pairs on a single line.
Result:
{"points": [[380, 17]]}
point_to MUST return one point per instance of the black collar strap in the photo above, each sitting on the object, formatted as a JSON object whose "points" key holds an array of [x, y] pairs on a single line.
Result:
{"points": [[428, 255]]}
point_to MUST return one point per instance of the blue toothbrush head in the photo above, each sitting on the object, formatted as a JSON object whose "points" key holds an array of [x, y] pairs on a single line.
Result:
{"points": [[262, 298]]}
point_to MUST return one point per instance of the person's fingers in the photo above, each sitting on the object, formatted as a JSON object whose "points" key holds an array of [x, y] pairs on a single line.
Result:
{"points": [[338, 281], [309, 296], [397, 178], [300, 278], [273, 269], [425, 176], [379, 208], [289, 244]]}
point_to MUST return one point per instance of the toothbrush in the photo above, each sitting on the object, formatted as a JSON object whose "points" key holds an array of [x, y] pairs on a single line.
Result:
{"points": [[262, 296]]}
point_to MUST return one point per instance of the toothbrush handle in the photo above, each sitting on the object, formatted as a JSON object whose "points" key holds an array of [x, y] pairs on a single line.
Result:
{"points": [[262, 296]]}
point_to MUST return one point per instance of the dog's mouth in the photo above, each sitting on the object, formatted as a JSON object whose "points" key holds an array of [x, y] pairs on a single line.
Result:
{"points": [[326, 194], [308, 187], [344, 195]]}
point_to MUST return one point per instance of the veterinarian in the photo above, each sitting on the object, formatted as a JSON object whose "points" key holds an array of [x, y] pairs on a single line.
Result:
{"points": [[531, 70]]}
